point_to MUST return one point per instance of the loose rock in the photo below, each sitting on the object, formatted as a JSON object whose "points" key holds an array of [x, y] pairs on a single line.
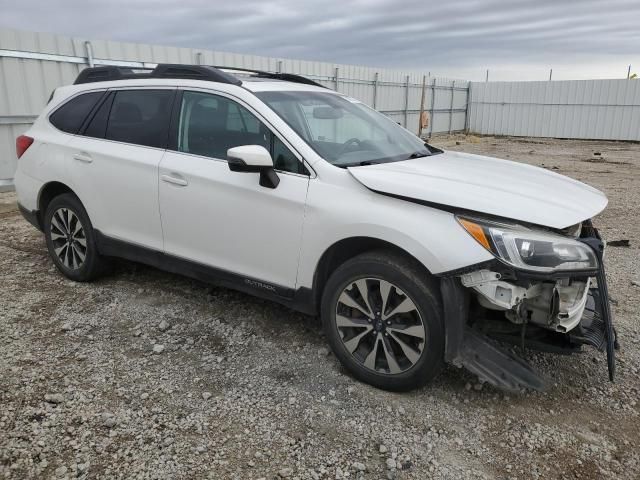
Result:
{"points": [[54, 398]]}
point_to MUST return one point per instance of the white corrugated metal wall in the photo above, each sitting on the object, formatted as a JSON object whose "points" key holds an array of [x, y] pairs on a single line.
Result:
{"points": [[33, 64], [587, 109]]}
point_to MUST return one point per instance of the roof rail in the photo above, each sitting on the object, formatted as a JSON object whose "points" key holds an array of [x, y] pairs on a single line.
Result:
{"points": [[191, 72], [289, 77], [162, 70]]}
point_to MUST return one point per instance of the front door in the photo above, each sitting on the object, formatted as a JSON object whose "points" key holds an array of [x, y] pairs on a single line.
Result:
{"points": [[223, 219]]}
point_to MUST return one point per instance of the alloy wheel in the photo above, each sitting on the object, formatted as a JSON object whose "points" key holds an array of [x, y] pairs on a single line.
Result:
{"points": [[68, 238], [380, 325]]}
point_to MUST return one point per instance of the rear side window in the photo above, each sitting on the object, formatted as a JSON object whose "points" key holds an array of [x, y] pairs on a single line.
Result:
{"points": [[70, 116], [140, 117]]}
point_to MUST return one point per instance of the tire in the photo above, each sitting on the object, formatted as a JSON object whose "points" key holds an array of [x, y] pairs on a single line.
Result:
{"points": [[73, 250], [402, 361]]}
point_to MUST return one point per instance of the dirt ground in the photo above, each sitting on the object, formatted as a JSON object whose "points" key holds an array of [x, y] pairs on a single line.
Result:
{"points": [[145, 374]]}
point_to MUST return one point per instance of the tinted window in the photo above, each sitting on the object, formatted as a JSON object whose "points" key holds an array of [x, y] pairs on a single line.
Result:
{"points": [[70, 116], [140, 117], [98, 125], [283, 159], [210, 125]]}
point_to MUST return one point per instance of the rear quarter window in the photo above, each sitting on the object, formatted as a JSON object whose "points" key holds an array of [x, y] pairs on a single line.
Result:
{"points": [[70, 116]]}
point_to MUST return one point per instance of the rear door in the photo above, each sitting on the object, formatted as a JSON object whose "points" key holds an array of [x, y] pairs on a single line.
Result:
{"points": [[225, 219], [115, 163]]}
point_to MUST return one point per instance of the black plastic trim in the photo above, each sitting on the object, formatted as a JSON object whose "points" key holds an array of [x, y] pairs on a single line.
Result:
{"points": [[31, 216], [300, 300], [287, 77], [108, 97], [455, 303], [162, 70], [174, 122], [597, 245]]}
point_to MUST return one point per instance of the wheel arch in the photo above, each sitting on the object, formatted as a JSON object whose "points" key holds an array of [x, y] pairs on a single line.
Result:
{"points": [[48, 192], [345, 249]]}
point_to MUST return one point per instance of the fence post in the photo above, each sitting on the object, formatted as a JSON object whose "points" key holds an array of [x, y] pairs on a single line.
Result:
{"points": [[375, 90], [453, 91], [198, 58], [424, 87], [406, 104], [335, 79], [467, 111], [279, 66], [433, 104], [89, 49]]}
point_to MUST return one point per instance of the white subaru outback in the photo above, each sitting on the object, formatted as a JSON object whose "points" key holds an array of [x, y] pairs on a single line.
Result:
{"points": [[276, 186]]}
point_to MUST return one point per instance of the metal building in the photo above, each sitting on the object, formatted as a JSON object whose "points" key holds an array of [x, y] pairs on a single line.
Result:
{"points": [[33, 64]]}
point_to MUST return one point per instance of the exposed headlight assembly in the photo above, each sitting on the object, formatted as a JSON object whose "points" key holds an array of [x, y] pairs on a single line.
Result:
{"points": [[532, 250]]}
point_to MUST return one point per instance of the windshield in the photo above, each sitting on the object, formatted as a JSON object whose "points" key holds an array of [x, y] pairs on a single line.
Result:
{"points": [[343, 131]]}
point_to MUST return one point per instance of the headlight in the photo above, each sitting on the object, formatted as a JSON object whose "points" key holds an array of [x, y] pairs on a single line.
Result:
{"points": [[528, 249]]}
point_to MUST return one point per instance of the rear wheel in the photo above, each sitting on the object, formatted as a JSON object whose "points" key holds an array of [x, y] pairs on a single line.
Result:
{"points": [[70, 239], [382, 315]]}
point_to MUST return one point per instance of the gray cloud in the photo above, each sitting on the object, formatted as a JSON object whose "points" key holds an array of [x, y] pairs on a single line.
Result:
{"points": [[579, 38]]}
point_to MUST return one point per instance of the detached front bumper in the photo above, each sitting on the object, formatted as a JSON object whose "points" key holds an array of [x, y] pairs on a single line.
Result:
{"points": [[473, 342]]}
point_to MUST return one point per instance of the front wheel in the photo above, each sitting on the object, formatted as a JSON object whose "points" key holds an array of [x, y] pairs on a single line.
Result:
{"points": [[382, 315]]}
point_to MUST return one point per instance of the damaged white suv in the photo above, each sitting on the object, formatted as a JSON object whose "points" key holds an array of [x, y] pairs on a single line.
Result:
{"points": [[274, 185]]}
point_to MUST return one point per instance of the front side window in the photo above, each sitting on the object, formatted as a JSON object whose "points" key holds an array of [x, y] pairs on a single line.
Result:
{"points": [[70, 116], [209, 125], [140, 117], [344, 132]]}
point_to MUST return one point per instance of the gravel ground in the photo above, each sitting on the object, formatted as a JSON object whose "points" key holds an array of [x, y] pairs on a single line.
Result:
{"points": [[145, 374]]}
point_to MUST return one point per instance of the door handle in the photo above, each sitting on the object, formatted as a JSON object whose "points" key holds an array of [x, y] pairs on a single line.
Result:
{"points": [[181, 182], [83, 157]]}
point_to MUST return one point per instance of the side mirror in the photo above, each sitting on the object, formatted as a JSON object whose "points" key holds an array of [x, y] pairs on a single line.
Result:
{"points": [[253, 159]]}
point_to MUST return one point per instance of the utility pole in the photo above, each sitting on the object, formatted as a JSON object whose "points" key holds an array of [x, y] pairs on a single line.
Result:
{"points": [[629, 72]]}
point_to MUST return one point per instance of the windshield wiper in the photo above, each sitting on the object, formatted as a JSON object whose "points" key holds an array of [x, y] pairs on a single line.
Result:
{"points": [[418, 155], [360, 164]]}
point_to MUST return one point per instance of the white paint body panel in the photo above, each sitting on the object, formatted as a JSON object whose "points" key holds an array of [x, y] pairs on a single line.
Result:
{"points": [[487, 185], [224, 219], [254, 155], [118, 188], [227, 220], [339, 207]]}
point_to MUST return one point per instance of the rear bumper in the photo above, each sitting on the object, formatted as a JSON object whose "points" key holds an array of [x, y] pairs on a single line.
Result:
{"points": [[31, 216]]}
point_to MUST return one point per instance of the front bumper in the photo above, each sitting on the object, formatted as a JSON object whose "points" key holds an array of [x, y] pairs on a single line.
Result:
{"points": [[601, 298], [472, 342]]}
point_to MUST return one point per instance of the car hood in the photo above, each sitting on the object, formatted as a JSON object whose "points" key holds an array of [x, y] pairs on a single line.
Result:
{"points": [[486, 185]]}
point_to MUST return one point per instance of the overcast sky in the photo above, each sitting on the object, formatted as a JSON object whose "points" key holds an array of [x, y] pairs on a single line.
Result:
{"points": [[515, 40]]}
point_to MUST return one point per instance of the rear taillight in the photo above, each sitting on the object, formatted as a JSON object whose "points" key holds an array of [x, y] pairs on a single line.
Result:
{"points": [[22, 144]]}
